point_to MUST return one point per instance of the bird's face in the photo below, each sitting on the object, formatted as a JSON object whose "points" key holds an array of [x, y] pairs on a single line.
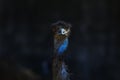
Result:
{"points": [[61, 30], [61, 33]]}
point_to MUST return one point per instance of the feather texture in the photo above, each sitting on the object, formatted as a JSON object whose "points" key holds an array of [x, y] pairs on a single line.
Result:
{"points": [[63, 73], [61, 32]]}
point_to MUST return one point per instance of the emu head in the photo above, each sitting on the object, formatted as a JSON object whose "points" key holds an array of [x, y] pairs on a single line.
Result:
{"points": [[61, 29]]}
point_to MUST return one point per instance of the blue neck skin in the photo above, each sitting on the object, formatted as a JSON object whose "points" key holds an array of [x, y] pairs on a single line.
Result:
{"points": [[63, 47]]}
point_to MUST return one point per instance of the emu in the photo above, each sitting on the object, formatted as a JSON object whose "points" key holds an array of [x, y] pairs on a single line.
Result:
{"points": [[61, 32]]}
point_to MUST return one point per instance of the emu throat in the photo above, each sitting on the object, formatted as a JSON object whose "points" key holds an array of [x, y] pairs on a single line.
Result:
{"points": [[62, 46]]}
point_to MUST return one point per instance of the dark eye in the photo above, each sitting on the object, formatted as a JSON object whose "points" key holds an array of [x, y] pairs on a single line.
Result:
{"points": [[59, 31], [63, 31]]}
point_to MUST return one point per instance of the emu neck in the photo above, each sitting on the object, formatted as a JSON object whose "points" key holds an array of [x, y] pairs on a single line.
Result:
{"points": [[60, 46]]}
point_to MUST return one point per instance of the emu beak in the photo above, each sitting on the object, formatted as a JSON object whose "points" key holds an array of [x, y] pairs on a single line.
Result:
{"points": [[63, 32]]}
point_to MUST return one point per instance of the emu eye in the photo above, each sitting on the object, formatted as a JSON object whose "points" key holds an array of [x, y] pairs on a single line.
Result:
{"points": [[63, 32], [59, 31]]}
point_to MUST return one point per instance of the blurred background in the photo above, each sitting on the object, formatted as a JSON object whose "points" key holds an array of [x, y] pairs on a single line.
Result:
{"points": [[26, 44]]}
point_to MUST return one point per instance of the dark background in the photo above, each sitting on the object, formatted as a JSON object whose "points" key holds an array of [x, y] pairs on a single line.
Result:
{"points": [[26, 43]]}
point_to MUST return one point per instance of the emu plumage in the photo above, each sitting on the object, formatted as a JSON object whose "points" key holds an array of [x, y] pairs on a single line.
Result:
{"points": [[61, 32]]}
